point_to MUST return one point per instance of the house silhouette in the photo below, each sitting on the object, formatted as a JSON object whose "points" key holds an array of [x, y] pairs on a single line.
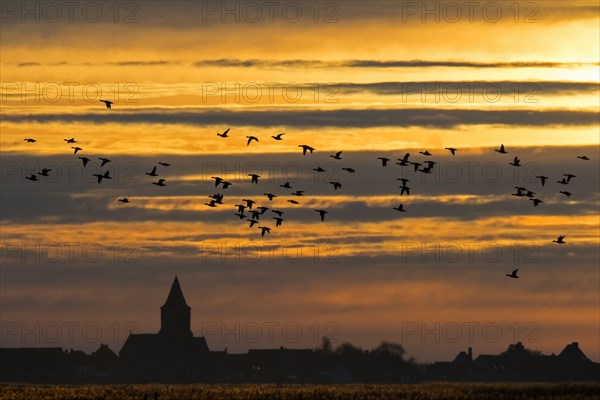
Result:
{"points": [[518, 364]]}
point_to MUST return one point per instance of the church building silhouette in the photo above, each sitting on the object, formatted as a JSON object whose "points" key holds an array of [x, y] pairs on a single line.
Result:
{"points": [[172, 354]]}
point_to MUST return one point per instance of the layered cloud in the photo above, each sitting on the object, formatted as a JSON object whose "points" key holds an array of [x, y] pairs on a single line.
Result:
{"points": [[416, 76]]}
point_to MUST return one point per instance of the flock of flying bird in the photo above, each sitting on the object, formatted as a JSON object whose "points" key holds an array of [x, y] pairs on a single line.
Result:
{"points": [[427, 166], [255, 213], [523, 192]]}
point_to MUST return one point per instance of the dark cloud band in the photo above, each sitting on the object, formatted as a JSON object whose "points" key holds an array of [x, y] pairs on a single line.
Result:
{"points": [[343, 118]]}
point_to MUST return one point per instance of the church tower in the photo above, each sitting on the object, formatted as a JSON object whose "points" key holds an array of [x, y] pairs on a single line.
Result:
{"points": [[175, 314]]}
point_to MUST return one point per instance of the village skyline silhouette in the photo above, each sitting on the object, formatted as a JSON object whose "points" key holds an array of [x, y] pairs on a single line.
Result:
{"points": [[175, 355]]}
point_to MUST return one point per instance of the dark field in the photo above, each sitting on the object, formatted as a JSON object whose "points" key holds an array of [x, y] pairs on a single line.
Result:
{"points": [[434, 391]]}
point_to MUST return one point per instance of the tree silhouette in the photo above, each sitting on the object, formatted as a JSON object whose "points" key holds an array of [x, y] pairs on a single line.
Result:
{"points": [[389, 349], [517, 349], [347, 349], [326, 346]]}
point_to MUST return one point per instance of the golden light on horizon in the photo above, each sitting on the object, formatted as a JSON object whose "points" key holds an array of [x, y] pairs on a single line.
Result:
{"points": [[372, 80]]}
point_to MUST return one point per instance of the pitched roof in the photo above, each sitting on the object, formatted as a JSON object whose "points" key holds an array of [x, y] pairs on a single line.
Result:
{"points": [[462, 358], [104, 352], [573, 352], [175, 298]]}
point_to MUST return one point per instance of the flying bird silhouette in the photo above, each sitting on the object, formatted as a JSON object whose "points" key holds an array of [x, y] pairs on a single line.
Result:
{"points": [[298, 193], [250, 139], [108, 103], [262, 209], [280, 213], [224, 134], [337, 155], [513, 274], [568, 194], [542, 178], [212, 203], [336, 185], [400, 208], [516, 162], [270, 196], [404, 181], [536, 202], [249, 203], [33, 178], [278, 221], [264, 230], [217, 179], [254, 178], [100, 177], [104, 161], [501, 150], [384, 161], [85, 160], [564, 181], [30, 140], [72, 140], [425, 153], [293, 202], [350, 170], [322, 214], [286, 185], [161, 182], [124, 200], [404, 189], [583, 158], [452, 150], [318, 169], [278, 136], [560, 240], [76, 149], [569, 177], [218, 198], [305, 148], [153, 172], [430, 164], [252, 222], [164, 164], [45, 171]]}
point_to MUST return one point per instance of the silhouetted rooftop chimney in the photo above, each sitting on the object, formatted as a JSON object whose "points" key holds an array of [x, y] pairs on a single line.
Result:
{"points": [[470, 352]]}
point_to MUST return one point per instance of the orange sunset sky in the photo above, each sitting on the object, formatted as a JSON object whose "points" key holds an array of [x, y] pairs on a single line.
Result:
{"points": [[368, 78]]}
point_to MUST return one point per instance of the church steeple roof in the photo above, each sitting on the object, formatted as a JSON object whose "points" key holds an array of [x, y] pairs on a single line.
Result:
{"points": [[175, 297]]}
